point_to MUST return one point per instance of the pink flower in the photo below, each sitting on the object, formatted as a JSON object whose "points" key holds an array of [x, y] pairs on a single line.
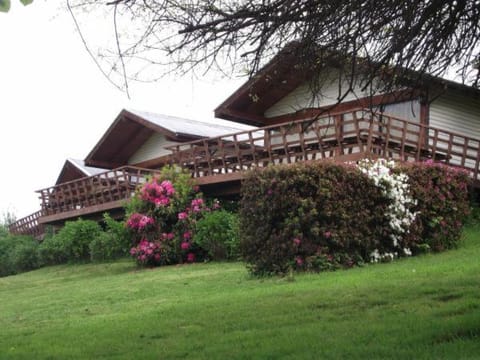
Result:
{"points": [[299, 261], [183, 215], [196, 188], [191, 257], [297, 241], [187, 235], [157, 257], [197, 204], [185, 245], [168, 187], [133, 251], [328, 234], [170, 236]]}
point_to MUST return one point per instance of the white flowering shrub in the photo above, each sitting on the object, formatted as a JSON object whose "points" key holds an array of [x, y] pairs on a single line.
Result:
{"points": [[395, 186]]}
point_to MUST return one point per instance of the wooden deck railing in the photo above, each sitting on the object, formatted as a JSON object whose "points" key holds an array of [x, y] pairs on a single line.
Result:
{"points": [[28, 225], [107, 187], [340, 136], [343, 136]]}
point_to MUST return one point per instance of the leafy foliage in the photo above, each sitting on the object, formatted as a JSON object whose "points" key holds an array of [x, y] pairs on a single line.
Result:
{"points": [[443, 204], [5, 4], [18, 253], [162, 219], [72, 243], [218, 233], [113, 243], [323, 216]]}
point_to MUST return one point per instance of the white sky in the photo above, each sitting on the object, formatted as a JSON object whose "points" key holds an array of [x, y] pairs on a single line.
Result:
{"points": [[55, 103]]}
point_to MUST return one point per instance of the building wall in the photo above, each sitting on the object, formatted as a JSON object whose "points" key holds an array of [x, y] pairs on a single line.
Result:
{"points": [[456, 113], [151, 149], [330, 91]]}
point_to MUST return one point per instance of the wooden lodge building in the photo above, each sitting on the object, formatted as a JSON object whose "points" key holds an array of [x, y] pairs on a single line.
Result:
{"points": [[288, 123]]}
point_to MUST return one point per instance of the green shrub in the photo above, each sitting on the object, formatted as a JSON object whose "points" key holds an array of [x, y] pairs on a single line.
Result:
{"points": [[297, 216], [111, 244], [72, 243], [53, 251], [26, 255], [217, 233], [322, 216], [162, 219], [442, 204], [18, 253]]}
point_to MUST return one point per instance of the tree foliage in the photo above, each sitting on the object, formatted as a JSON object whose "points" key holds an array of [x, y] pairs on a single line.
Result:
{"points": [[428, 36], [5, 4]]}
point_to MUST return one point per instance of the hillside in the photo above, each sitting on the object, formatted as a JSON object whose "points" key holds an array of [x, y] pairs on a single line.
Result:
{"points": [[424, 308]]}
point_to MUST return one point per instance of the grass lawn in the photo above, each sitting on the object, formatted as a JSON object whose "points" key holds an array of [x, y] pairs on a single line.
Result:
{"points": [[420, 308]]}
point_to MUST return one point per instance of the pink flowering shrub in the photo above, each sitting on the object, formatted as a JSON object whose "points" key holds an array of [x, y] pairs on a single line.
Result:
{"points": [[442, 204], [162, 218], [156, 192], [324, 216], [139, 222]]}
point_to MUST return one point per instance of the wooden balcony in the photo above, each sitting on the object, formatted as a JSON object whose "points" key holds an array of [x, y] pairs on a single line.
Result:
{"points": [[219, 163], [87, 196], [94, 194], [345, 136], [28, 225]]}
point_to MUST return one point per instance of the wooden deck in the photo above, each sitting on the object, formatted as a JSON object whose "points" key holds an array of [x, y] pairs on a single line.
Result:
{"points": [[28, 225], [342, 137], [219, 163]]}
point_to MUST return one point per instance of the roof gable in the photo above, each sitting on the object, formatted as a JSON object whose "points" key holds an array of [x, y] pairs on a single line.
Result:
{"points": [[75, 169], [132, 128], [283, 74]]}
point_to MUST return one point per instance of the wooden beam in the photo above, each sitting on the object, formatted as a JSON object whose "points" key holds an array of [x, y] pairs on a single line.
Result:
{"points": [[107, 165], [85, 211], [240, 116], [155, 163], [221, 178]]}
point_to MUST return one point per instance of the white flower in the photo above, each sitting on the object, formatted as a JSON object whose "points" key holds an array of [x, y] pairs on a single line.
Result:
{"points": [[394, 187]]}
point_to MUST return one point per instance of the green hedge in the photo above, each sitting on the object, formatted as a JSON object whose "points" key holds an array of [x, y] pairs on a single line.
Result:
{"points": [[322, 216], [18, 253]]}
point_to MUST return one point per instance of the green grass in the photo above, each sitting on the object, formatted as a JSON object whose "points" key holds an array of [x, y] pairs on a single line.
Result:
{"points": [[420, 308]]}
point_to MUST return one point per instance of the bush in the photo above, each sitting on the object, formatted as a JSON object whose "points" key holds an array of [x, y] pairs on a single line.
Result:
{"points": [[111, 244], [71, 244], [18, 253], [442, 204], [162, 219], [323, 216], [299, 216], [217, 233]]}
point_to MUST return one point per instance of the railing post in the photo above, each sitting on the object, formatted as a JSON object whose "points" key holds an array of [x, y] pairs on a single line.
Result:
{"points": [[252, 148]]}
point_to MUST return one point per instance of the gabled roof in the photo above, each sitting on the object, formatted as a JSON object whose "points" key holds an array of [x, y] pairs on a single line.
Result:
{"points": [[75, 169], [182, 127], [132, 128], [283, 74], [275, 80]]}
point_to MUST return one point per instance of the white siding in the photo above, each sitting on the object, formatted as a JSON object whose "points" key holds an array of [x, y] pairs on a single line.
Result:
{"points": [[456, 113], [302, 98], [151, 149], [406, 110]]}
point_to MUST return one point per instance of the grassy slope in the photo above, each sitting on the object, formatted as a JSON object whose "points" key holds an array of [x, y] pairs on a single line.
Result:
{"points": [[420, 308]]}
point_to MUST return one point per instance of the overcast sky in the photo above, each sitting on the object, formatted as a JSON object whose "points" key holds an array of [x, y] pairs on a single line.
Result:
{"points": [[55, 104]]}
